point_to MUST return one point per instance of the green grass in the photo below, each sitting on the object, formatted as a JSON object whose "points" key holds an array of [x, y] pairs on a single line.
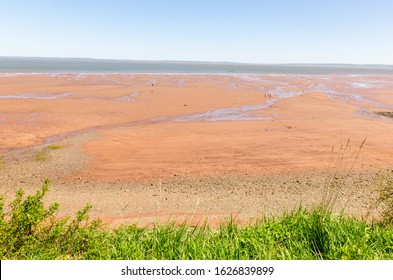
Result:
{"points": [[43, 154], [54, 147], [29, 230]]}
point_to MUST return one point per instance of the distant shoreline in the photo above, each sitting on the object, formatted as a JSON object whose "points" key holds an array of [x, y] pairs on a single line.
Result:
{"points": [[96, 66]]}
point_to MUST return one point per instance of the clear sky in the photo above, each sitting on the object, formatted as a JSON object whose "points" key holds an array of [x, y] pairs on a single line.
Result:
{"points": [[256, 31]]}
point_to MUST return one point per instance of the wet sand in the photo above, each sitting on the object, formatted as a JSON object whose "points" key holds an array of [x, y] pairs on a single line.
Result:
{"points": [[190, 147]]}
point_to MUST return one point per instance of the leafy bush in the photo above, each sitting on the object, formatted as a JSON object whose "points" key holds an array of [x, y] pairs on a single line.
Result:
{"points": [[29, 227]]}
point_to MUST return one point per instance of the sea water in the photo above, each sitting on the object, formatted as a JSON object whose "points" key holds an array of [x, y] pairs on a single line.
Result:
{"points": [[82, 65]]}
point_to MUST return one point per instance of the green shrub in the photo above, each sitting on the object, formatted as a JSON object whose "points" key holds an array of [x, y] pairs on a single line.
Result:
{"points": [[29, 227]]}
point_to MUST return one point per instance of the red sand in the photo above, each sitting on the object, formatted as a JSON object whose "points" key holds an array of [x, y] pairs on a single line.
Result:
{"points": [[138, 141], [299, 137]]}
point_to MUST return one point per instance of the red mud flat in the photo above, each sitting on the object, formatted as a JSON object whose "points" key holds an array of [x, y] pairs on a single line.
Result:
{"points": [[221, 133]]}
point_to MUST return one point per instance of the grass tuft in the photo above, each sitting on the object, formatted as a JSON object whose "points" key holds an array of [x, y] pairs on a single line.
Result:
{"points": [[335, 182], [44, 153], [54, 147], [41, 156]]}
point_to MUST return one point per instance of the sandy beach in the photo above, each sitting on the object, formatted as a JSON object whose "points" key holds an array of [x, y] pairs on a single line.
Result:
{"points": [[190, 147]]}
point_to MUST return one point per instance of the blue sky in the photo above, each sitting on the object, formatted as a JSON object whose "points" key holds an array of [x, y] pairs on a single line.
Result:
{"points": [[264, 31]]}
